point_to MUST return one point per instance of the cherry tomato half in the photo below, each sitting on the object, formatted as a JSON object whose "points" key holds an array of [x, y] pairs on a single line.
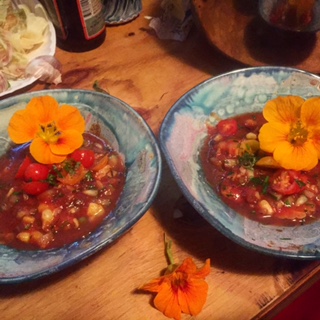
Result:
{"points": [[36, 172], [86, 157], [287, 182], [227, 127], [35, 187], [25, 163]]}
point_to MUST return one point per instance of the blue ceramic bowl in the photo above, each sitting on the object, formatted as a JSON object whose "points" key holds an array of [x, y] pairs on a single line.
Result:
{"points": [[131, 136], [182, 134]]}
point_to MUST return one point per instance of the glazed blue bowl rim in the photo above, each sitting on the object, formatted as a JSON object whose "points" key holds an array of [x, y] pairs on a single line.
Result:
{"points": [[107, 242], [191, 199]]}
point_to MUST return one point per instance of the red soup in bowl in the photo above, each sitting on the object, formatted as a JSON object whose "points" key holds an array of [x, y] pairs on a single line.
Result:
{"points": [[240, 173], [45, 206]]}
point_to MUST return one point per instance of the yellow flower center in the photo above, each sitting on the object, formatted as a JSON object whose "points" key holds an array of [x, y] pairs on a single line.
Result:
{"points": [[49, 133], [298, 135]]}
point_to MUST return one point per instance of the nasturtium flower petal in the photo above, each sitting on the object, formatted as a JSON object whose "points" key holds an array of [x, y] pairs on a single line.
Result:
{"points": [[296, 158], [188, 266], [44, 109], [70, 117], [41, 152], [270, 135], [54, 131], [194, 297], [166, 301], [23, 127], [69, 141], [292, 132], [310, 113], [315, 139], [183, 290], [283, 110], [153, 286]]}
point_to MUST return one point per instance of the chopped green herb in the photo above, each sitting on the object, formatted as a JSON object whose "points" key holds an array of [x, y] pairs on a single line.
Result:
{"points": [[256, 181], [247, 160], [68, 166], [287, 203], [71, 166], [52, 180], [300, 183], [89, 176], [265, 185], [261, 181], [57, 171]]}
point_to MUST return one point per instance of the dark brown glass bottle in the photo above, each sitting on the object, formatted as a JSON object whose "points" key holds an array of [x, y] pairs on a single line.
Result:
{"points": [[79, 24]]}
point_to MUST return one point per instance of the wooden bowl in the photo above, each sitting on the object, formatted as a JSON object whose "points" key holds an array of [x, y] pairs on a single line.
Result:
{"points": [[236, 28]]}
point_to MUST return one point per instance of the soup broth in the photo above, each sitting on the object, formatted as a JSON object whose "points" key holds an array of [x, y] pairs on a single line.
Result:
{"points": [[269, 195], [68, 205]]}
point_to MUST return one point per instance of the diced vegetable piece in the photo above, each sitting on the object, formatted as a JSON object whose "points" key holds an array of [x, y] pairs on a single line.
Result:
{"points": [[266, 208], [268, 162], [91, 192], [249, 146], [101, 163], [95, 210], [24, 236], [47, 217]]}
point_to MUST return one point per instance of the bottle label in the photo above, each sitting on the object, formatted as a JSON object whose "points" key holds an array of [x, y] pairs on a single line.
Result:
{"points": [[55, 16], [91, 15]]}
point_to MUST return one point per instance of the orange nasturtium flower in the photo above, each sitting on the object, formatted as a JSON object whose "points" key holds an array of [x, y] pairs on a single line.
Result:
{"points": [[54, 131], [292, 132], [181, 289]]}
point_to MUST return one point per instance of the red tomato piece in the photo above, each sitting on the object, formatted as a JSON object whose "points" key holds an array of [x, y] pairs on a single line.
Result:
{"points": [[25, 163], [227, 127], [287, 182], [36, 172], [86, 157], [35, 187]]}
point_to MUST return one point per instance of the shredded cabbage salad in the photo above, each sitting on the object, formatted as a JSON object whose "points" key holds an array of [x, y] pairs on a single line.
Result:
{"points": [[21, 32]]}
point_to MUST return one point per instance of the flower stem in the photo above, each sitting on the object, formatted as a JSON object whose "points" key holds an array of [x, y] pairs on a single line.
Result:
{"points": [[168, 245]]}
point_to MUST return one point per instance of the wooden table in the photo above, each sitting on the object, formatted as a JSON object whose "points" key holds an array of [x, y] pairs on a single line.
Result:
{"points": [[150, 75]]}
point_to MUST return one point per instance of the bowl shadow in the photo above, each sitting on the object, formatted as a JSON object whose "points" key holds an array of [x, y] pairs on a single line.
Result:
{"points": [[190, 231], [274, 46]]}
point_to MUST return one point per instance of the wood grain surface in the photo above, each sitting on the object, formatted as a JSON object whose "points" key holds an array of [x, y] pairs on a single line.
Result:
{"points": [[236, 28], [150, 75]]}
